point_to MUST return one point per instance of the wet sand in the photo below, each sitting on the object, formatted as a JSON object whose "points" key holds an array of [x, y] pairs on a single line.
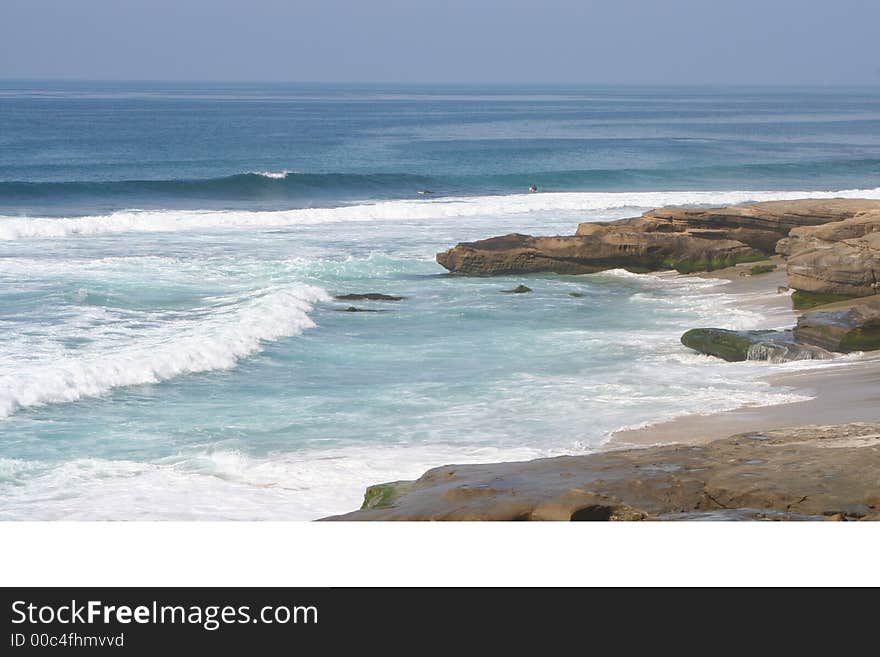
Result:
{"points": [[845, 390]]}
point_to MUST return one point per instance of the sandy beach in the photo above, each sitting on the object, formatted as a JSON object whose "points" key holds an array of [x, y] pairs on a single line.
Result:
{"points": [[846, 389]]}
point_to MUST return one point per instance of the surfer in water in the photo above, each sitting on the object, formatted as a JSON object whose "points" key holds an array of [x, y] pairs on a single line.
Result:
{"points": [[533, 189], [423, 192]]}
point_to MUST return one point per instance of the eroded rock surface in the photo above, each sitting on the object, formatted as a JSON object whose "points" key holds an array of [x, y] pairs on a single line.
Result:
{"points": [[815, 472], [684, 239], [845, 327]]}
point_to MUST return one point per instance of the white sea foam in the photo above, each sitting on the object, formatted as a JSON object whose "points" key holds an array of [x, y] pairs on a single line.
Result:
{"points": [[274, 175], [223, 484], [213, 340], [130, 221]]}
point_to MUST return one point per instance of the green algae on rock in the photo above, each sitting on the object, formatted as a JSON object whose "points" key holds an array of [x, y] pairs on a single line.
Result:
{"points": [[852, 327], [736, 346], [803, 300], [383, 495]]}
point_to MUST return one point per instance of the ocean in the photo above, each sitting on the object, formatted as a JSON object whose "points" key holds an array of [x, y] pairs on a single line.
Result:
{"points": [[170, 344]]}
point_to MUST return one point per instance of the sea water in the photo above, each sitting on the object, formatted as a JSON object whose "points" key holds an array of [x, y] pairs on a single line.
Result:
{"points": [[170, 344]]}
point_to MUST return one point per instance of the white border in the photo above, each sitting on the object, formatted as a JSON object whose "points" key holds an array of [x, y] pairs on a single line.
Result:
{"points": [[438, 554]]}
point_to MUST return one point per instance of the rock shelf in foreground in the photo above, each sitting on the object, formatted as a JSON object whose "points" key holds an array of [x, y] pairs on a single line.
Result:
{"points": [[816, 472]]}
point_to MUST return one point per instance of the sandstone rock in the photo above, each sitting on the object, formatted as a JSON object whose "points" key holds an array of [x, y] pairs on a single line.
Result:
{"points": [[800, 473], [733, 346], [853, 326], [803, 238], [585, 254], [850, 267], [685, 239], [835, 261]]}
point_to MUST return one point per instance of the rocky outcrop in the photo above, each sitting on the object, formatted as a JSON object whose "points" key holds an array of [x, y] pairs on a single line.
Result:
{"points": [[759, 225], [685, 239], [734, 346], [587, 254], [862, 223], [846, 327], [835, 261], [817, 472], [848, 267]]}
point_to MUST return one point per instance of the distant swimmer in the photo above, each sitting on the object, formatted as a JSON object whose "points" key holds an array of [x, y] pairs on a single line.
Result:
{"points": [[533, 189], [424, 191]]}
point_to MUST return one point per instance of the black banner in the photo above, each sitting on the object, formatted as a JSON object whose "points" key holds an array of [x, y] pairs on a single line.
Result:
{"points": [[136, 620]]}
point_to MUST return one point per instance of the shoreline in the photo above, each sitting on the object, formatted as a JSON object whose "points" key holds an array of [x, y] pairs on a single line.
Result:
{"points": [[845, 389], [815, 456]]}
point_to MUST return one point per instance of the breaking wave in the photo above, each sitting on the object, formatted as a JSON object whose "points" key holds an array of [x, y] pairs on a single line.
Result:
{"points": [[130, 221], [215, 342]]}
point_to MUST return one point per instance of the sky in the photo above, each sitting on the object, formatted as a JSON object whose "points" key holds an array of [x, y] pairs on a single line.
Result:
{"points": [[445, 41]]}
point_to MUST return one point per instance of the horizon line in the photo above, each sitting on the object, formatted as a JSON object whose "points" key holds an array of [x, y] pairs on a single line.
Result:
{"points": [[528, 83]]}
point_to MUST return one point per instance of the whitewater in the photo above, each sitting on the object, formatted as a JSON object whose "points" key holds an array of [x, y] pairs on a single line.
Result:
{"points": [[570, 203], [156, 309]]}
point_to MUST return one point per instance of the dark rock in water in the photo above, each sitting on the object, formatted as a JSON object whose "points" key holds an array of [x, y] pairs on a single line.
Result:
{"points": [[519, 289], [369, 296], [853, 327], [576, 295], [352, 309], [734, 346]]}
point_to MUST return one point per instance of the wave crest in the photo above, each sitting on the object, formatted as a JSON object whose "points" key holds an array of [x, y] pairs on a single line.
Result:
{"points": [[216, 343], [132, 221]]}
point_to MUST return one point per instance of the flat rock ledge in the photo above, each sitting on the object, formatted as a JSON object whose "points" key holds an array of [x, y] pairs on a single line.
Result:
{"points": [[805, 473], [693, 240]]}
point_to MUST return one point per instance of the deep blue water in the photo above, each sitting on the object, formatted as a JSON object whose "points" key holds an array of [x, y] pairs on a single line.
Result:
{"points": [[169, 342], [114, 146]]}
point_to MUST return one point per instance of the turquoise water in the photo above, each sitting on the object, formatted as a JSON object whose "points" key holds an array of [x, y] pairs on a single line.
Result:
{"points": [[171, 348]]}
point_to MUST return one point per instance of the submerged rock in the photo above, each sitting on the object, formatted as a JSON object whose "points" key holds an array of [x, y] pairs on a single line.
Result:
{"points": [[854, 326], [519, 289], [369, 296], [353, 309], [734, 346]]}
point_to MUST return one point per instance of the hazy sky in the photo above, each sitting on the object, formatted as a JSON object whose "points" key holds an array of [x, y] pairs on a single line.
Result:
{"points": [[577, 41]]}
